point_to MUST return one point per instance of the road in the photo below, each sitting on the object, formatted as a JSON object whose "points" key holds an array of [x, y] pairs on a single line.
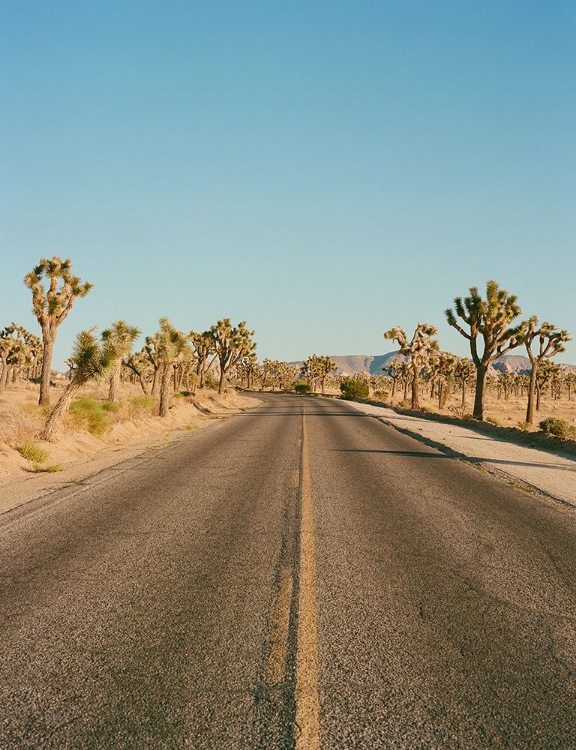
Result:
{"points": [[300, 575]]}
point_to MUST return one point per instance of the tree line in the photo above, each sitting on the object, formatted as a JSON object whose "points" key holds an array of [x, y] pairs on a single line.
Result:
{"points": [[169, 359], [173, 360]]}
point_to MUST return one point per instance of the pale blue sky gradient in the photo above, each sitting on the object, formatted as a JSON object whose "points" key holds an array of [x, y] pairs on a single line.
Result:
{"points": [[323, 170]]}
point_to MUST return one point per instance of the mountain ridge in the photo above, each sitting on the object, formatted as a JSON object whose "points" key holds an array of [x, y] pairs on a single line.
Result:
{"points": [[351, 364]]}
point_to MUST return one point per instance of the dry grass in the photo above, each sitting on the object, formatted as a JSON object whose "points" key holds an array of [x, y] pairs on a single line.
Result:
{"points": [[93, 422]]}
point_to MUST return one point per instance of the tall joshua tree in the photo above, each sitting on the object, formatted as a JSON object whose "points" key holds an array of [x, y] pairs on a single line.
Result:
{"points": [[51, 306], [120, 336], [90, 359], [489, 319], [203, 344], [418, 349], [550, 342], [171, 345], [231, 343]]}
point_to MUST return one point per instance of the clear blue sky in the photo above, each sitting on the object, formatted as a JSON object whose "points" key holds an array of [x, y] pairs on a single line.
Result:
{"points": [[323, 170]]}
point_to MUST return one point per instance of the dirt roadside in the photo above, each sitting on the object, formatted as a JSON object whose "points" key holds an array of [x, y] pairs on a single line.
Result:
{"points": [[83, 455]]}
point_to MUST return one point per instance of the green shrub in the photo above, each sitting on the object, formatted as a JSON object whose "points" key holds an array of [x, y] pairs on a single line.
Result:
{"points": [[303, 388], [354, 388], [142, 406], [33, 453], [559, 427], [92, 415], [495, 421]]}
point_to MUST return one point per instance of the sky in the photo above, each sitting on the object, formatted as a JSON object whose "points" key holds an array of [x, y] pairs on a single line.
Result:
{"points": [[323, 169]]}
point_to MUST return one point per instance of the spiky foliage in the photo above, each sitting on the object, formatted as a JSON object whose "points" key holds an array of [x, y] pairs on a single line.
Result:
{"points": [[489, 319], [140, 366], [318, 368], [417, 350], [90, 359], [120, 337], [19, 350], [231, 343], [550, 341], [51, 305], [463, 374], [170, 346], [248, 370], [205, 351]]}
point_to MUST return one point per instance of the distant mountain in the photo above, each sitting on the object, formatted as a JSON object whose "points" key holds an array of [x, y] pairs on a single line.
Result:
{"points": [[353, 363]]}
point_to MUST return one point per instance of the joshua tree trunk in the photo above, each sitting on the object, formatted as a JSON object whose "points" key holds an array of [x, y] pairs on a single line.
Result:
{"points": [[165, 390], [58, 412], [531, 395], [478, 412], [114, 389], [222, 381], [415, 401], [48, 352]]}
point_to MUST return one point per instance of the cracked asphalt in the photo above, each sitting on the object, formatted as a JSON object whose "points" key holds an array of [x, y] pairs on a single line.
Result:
{"points": [[160, 602]]}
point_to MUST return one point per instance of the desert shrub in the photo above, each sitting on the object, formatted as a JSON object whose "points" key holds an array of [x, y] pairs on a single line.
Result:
{"points": [[210, 381], [352, 388], [141, 406], [92, 415], [493, 420], [559, 427], [524, 426], [33, 453], [50, 469], [302, 387]]}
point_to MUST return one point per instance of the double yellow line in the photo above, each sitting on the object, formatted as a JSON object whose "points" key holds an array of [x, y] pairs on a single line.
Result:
{"points": [[307, 698]]}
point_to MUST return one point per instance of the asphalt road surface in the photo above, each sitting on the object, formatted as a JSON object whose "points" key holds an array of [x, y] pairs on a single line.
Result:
{"points": [[300, 575]]}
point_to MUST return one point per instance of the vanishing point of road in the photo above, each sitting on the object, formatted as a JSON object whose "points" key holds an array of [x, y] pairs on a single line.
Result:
{"points": [[297, 576]]}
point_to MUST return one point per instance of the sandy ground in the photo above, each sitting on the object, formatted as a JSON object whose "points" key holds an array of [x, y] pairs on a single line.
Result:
{"points": [[83, 455], [552, 474]]}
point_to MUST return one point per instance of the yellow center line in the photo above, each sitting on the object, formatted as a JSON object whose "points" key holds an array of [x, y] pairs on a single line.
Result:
{"points": [[307, 698]]}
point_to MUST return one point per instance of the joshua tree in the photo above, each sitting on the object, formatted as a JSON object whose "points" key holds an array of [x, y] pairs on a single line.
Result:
{"points": [[139, 364], [490, 319], [51, 307], [418, 350], [318, 368], [203, 344], [463, 373], [248, 369], [550, 342], [170, 346], [440, 373], [231, 343], [120, 337], [90, 359]]}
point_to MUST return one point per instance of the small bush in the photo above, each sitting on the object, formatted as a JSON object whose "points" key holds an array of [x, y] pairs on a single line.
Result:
{"points": [[303, 388], [524, 426], [92, 415], [48, 469], [142, 406], [558, 427], [33, 453], [495, 421], [352, 388]]}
